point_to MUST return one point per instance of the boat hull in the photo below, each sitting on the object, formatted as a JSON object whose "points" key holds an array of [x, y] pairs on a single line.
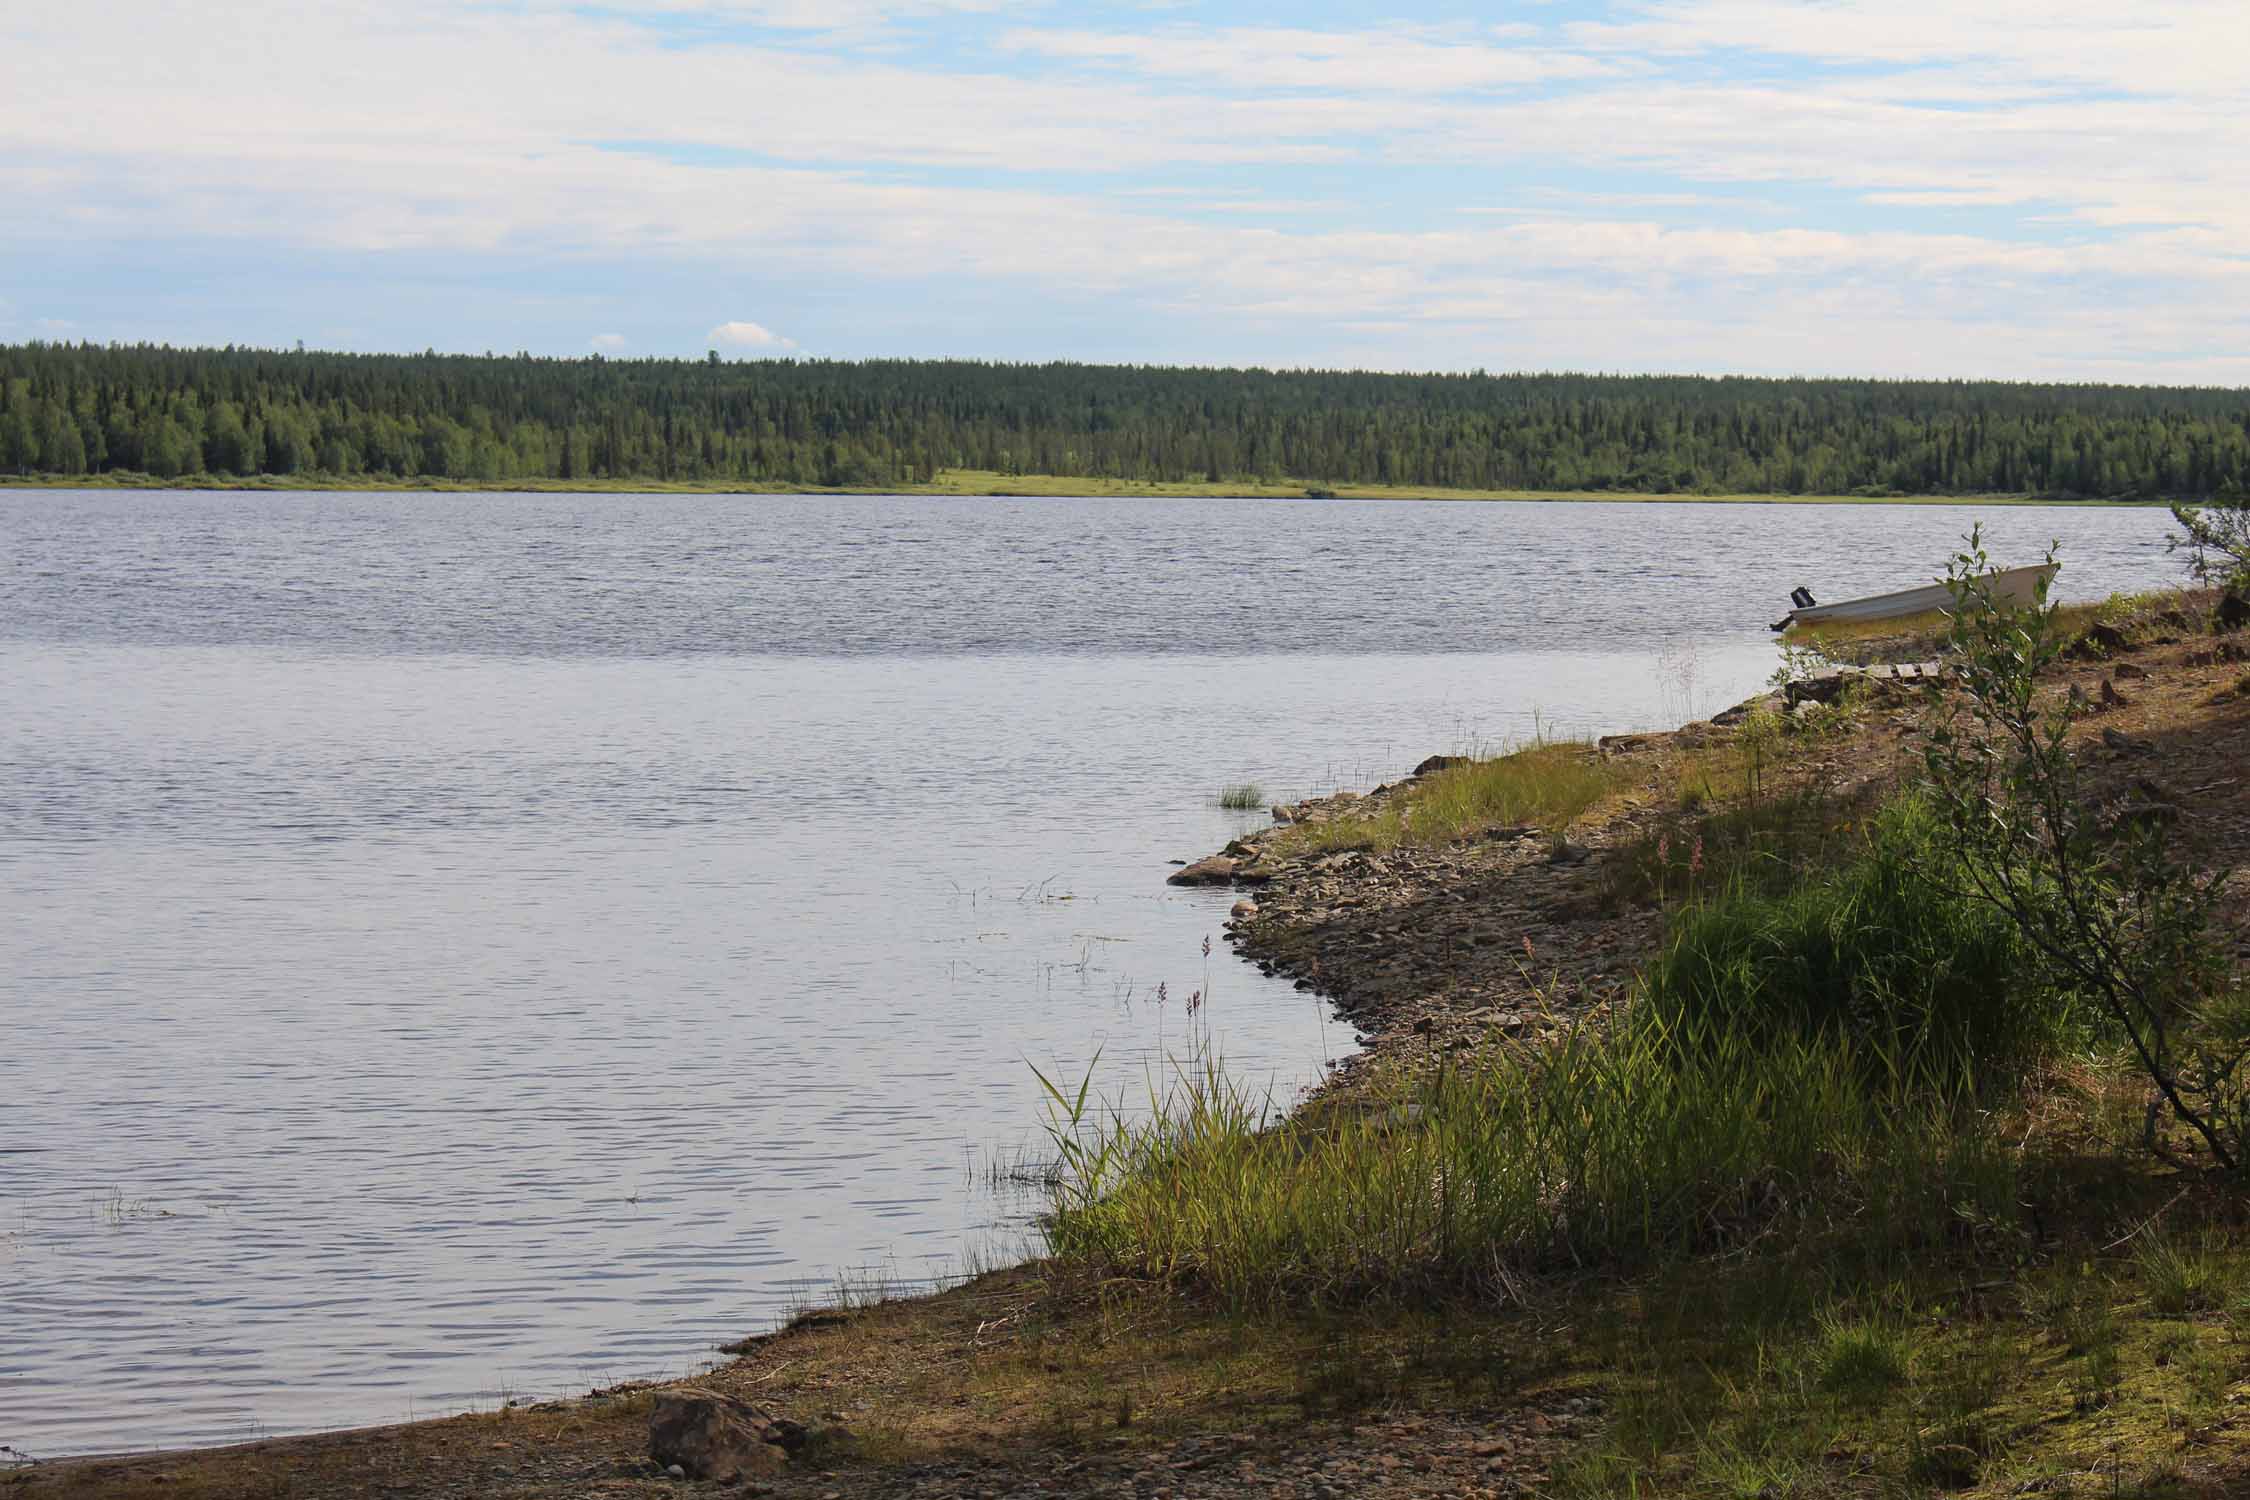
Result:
{"points": [[2009, 586]]}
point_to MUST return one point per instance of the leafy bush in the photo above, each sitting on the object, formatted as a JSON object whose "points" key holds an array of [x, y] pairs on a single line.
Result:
{"points": [[2217, 537], [2101, 900]]}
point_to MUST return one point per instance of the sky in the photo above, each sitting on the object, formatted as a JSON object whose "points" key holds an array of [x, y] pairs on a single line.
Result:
{"points": [[2043, 190]]}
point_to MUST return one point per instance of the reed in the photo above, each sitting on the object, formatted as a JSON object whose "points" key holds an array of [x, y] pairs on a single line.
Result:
{"points": [[1242, 796]]}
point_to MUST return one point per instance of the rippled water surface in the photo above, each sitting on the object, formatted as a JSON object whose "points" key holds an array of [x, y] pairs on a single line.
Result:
{"points": [[453, 946]]}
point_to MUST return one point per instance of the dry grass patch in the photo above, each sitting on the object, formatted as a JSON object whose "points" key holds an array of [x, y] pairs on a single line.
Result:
{"points": [[1547, 784]]}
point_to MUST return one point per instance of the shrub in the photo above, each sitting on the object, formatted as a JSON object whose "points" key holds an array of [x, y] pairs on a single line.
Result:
{"points": [[2109, 912], [2217, 537]]}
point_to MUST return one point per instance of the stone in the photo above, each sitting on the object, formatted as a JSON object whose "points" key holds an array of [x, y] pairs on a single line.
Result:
{"points": [[1217, 870], [1440, 763], [1568, 853], [1283, 815], [2100, 639], [1729, 717], [1244, 910], [2130, 671], [706, 1435], [2233, 612], [674, 1471], [1816, 689], [2111, 697]]}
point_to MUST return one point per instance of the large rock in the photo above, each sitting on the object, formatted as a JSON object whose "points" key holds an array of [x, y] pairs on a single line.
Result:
{"points": [[1729, 717], [1440, 763], [1217, 870], [711, 1436], [1818, 689], [2233, 612], [2098, 640]]}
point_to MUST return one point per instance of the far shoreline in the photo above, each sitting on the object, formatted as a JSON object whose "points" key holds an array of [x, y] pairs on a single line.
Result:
{"points": [[985, 484]]}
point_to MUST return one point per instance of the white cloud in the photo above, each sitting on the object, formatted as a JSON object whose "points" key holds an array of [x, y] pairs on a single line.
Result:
{"points": [[1384, 60], [743, 335], [606, 342], [477, 130], [799, 15]]}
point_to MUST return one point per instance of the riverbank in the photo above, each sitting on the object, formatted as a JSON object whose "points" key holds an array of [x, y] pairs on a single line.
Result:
{"points": [[2102, 1346], [974, 483]]}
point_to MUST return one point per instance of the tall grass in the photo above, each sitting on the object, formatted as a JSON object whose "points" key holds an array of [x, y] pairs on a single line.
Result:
{"points": [[1740, 821], [1546, 784], [1243, 796], [1619, 1146], [1762, 846], [1873, 953], [1799, 1060]]}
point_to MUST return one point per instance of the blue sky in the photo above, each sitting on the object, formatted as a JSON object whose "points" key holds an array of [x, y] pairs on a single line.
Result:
{"points": [[1912, 187]]}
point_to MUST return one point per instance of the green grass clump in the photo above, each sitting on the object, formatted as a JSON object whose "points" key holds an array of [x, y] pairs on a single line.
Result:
{"points": [[1760, 846], [1861, 1360], [1243, 796], [1546, 784], [1875, 954], [2181, 1280]]}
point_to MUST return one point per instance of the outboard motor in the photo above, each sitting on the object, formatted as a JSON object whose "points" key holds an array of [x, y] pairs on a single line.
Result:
{"points": [[1802, 597]]}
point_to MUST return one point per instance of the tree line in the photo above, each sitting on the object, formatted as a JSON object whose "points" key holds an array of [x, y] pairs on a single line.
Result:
{"points": [[80, 409]]}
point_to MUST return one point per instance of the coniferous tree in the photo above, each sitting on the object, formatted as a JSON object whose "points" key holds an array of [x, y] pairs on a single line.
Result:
{"points": [[172, 412]]}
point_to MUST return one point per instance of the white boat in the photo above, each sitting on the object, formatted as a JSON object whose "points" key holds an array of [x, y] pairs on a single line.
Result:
{"points": [[2009, 586]]}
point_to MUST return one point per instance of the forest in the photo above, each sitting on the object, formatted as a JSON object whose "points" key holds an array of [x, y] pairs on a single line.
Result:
{"points": [[82, 409]]}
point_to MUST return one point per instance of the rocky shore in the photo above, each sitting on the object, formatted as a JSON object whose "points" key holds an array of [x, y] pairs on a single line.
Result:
{"points": [[1517, 931], [1521, 933]]}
